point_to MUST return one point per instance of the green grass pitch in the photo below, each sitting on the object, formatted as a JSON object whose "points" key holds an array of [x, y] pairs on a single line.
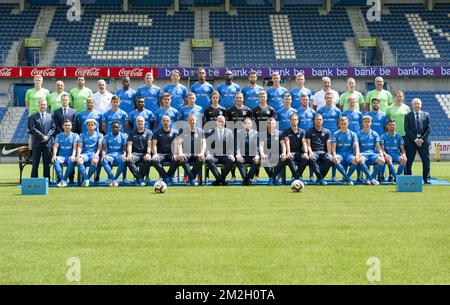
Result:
{"points": [[225, 235]]}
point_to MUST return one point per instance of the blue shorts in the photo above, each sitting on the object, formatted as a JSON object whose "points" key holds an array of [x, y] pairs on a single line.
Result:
{"points": [[63, 160], [87, 157], [370, 158], [113, 159], [395, 158], [345, 158]]}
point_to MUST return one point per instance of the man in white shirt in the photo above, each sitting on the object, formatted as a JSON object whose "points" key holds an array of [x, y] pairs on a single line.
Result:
{"points": [[102, 98], [319, 98]]}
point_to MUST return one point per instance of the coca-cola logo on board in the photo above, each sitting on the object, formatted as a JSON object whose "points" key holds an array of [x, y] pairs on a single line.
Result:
{"points": [[5, 72], [45, 72], [136, 72], [87, 72]]}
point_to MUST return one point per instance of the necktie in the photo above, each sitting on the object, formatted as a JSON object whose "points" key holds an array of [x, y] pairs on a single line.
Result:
{"points": [[192, 142], [418, 124], [247, 144], [42, 118], [65, 113]]}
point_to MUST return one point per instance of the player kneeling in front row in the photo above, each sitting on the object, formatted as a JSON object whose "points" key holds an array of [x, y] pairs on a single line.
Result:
{"points": [[114, 153], [139, 146], [64, 152], [344, 149], [89, 146], [370, 151], [393, 148], [165, 150], [247, 152]]}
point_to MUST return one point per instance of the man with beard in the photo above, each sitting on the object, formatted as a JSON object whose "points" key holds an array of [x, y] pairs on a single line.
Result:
{"points": [[252, 90]]}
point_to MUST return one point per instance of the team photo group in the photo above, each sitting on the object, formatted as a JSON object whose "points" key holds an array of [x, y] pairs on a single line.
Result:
{"points": [[224, 130]]}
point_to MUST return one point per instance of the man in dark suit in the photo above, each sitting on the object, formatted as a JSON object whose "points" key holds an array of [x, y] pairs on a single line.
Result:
{"points": [[42, 129], [220, 142], [247, 151], [417, 132], [64, 113]]}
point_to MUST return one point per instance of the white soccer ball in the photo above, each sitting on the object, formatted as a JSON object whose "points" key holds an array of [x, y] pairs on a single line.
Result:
{"points": [[297, 186], [160, 187]]}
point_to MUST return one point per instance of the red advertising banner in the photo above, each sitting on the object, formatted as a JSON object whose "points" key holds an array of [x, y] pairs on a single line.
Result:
{"points": [[73, 72], [10, 72]]}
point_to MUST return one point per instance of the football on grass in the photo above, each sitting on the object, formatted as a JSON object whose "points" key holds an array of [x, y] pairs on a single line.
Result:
{"points": [[297, 186], [160, 187]]}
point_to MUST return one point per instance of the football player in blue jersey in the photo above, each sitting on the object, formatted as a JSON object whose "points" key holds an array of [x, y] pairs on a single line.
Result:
{"points": [[276, 93], [166, 109], [64, 152], [228, 90], [192, 108], [345, 149], [114, 153], [143, 112], [150, 92], [126, 95], [379, 118], [305, 114], [354, 116], [89, 113], [202, 89], [300, 90], [176, 90], [252, 90], [284, 114], [330, 114], [115, 114], [370, 150], [88, 151], [393, 147]]}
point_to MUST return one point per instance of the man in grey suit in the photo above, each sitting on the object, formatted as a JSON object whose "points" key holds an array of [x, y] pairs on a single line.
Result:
{"points": [[220, 151], [417, 132], [247, 151], [42, 129], [64, 113]]}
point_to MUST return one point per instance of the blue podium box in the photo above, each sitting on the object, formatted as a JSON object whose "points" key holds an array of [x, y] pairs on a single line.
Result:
{"points": [[35, 186], [407, 183]]}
